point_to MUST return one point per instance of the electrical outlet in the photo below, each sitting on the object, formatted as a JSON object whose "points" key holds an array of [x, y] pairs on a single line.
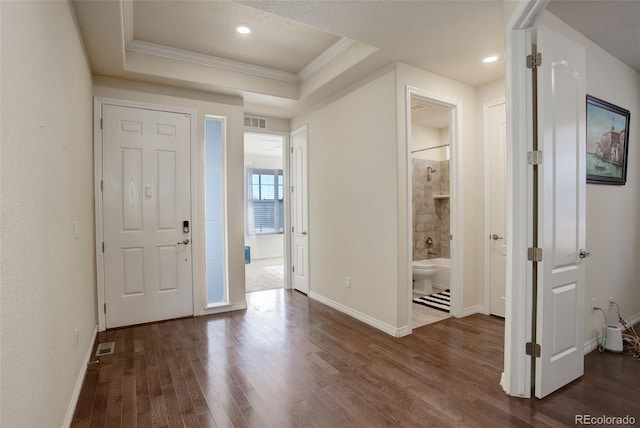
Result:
{"points": [[593, 303], [347, 281]]}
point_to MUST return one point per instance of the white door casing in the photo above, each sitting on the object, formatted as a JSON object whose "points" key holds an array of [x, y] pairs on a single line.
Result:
{"points": [[146, 197], [561, 211], [497, 237], [299, 210]]}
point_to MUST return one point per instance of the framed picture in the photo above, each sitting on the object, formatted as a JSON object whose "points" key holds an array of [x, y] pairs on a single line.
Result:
{"points": [[607, 142]]}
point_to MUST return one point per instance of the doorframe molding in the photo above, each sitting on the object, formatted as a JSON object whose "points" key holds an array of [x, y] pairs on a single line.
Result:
{"points": [[98, 102], [455, 200], [516, 377], [487, 201], [286, 150]]}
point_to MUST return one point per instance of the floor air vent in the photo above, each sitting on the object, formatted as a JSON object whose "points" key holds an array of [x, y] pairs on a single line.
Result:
{"points": [[105, 348]]}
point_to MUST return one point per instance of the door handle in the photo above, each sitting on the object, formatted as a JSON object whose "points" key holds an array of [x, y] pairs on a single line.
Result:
{"points": [[495, 237], [303, 233], [185, 242], [584, 254]]}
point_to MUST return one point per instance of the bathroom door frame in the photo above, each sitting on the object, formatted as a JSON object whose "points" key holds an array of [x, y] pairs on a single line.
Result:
{"points": [[455, 198]]}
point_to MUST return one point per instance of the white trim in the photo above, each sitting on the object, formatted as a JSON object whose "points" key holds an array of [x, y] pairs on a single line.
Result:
{"points": [[456, 191], [373, 322], [228, 307], [210, 61], [487, 201], [517, 365], [325, 57], [97, 150], [78, 388], [476, 309], [286, 166]]}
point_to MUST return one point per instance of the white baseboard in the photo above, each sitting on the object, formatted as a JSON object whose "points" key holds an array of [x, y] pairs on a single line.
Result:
{"points": [[373, 322], [224, 308], [83, 371], [592, 343], [477, 309]]}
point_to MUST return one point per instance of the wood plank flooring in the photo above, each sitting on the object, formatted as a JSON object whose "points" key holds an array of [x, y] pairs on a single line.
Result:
{"points": [[288, 361]]}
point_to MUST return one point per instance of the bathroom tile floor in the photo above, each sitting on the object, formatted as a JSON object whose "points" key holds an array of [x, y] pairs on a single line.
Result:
{"points": [[423, 315]]}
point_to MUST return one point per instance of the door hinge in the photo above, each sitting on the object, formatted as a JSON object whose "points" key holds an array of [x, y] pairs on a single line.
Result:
{"points": [[291, 189], [291, 150], [293, 269], [534, 254], [293, 229], [532, 349], [104, 308], [534, 62], [103, 246], [534, 157], [101, 185], [100, 123]]}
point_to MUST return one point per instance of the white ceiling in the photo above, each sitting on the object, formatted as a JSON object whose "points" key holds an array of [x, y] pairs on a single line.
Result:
{"points": [[300, 51], [264, 145], [429, 114], [612, 25]]}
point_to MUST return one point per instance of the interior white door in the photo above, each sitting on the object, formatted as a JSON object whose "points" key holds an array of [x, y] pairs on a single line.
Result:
{"points": [[146, 197], [561, 211], [299, 211], [497, 163]]}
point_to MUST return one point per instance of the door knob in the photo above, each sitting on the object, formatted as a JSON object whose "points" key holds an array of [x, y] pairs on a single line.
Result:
{"points": [[495, 237], [185, 242], [584, 254]]}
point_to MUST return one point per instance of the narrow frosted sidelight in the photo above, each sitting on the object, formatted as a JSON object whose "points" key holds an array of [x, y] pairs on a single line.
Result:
{"points": [[214, 212]]}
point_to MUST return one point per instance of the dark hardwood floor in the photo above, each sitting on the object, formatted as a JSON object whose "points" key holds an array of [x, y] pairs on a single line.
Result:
{"points": [[288, 361]]}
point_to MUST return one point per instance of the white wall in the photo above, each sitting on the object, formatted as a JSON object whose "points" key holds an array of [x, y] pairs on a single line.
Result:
{"points": [[423, 137], [204, 104], [470, 178], [613, 212], [352, 198], [48, 277]]}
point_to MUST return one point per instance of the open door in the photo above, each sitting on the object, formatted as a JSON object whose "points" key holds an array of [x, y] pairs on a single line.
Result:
{"points": [[559, 175]]}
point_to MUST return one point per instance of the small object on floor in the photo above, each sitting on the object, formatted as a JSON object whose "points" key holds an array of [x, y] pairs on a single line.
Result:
{"points": [[105, 348], [440, 301]]}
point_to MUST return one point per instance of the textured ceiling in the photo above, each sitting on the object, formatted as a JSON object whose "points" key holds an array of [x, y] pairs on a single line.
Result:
{"points": [[612, 25]]}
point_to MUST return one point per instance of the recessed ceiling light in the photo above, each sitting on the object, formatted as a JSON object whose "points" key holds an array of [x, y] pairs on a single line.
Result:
{"points": [[489, 59], [243, 29]]}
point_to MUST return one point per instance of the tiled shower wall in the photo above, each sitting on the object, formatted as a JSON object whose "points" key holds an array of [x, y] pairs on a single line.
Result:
{"points": [[430, 215]]}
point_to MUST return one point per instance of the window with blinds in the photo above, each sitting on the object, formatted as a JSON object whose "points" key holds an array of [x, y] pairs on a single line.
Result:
{"points": [[265, 201]]}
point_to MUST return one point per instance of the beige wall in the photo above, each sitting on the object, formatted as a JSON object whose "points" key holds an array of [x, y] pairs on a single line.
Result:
{"points": [[48, 277], [352, 198], [613, 212], [204, 104]]}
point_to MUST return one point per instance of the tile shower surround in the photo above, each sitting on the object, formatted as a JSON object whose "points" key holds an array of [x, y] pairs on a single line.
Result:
{"points": [[430, 216]]}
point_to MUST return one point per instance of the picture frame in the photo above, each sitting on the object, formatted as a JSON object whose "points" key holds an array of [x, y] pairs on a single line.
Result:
{"points": [[607, 142]]}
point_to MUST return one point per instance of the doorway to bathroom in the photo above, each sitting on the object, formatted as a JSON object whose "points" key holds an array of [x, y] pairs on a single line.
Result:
{"points": [[265, 208], [431, 210]]}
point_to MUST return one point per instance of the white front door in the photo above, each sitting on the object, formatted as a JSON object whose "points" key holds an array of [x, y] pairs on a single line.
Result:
{"points": [[146, 198], [497, 164], [299, 211], [561, 211]]}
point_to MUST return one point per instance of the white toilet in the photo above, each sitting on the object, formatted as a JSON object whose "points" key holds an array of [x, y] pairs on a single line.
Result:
{"points": [[423, 272]]}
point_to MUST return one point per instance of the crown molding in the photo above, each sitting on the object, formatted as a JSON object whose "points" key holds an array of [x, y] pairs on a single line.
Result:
{"points": [[210, 61], [325, 57], [222, 63]]}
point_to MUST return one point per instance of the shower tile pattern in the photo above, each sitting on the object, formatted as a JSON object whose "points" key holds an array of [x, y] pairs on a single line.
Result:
{"points": [[431, 216]]}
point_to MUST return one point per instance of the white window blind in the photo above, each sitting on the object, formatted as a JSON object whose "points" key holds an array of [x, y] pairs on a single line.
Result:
{"points": [[265, 201]]}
